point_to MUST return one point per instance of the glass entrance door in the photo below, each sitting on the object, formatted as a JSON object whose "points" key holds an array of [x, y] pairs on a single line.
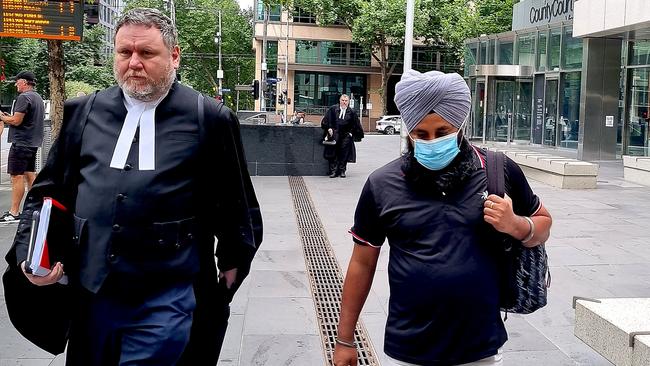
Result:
{"points": [[479, 100], [505, 90], [522, 127], [550, 112], [638, 110]]}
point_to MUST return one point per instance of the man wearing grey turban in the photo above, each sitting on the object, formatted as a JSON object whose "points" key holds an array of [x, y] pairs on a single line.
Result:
{"points": [[433, 207]]}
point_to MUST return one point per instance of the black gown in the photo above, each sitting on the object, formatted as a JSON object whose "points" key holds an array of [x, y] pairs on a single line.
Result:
{"points": [[170, 216]]}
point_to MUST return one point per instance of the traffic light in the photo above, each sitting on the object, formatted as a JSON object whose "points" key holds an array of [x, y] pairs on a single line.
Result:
{"points": [[256, 89]]}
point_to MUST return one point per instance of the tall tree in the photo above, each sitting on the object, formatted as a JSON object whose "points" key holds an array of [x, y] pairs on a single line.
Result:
{"points": [[463, 19], [56, 76], [376, 25], [197, 23]]}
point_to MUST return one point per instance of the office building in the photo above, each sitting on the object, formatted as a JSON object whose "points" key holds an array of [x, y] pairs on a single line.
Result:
{"points": [[570, 74], [324, 62]]}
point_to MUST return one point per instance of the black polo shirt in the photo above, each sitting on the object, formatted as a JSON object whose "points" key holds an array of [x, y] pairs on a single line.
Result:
{"points": [[444, 307], [30, 131]]}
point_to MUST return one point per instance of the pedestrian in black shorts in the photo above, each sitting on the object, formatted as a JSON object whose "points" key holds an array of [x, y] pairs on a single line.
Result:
{"points": [[26, 135]]}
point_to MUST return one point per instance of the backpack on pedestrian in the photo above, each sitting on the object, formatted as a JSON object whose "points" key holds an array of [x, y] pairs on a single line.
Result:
{"points": [[525, 275]]}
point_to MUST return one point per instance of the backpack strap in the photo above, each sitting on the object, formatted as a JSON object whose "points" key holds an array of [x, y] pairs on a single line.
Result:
{"points": [[495, 171]]}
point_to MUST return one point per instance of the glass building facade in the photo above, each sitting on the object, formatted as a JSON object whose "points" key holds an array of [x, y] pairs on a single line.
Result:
{"points": [[633, 136], [542, 105], [526, 86], [314, 92]]}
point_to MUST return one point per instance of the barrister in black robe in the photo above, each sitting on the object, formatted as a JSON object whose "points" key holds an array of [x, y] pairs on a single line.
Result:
{"points": [[342, 124], [144, 229]]}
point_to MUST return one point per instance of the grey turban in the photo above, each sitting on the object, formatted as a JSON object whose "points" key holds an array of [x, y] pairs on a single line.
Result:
{"points": [[417, 94]]}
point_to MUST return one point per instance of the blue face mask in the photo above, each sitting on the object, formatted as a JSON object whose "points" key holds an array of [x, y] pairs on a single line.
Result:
{"points": [[436, 154]]}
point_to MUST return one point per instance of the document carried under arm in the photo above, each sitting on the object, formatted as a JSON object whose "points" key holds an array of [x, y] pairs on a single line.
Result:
{"points": [[40, 257]]}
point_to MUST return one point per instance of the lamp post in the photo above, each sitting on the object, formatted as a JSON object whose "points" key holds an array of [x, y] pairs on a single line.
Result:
{"points": [[286, 67], [408, 55], [217, 40]]}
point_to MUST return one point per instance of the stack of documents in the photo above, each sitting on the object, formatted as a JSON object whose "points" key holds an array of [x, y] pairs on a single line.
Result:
{"points": [[38, 257]]}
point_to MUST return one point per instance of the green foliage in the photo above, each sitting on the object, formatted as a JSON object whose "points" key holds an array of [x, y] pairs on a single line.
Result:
{"points": [[82, 60], [463, 19], [74, 87], [329, 12], [197, 25]]}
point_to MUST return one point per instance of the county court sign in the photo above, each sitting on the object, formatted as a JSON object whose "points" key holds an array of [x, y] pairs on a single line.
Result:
{"points": [[532, 13]]}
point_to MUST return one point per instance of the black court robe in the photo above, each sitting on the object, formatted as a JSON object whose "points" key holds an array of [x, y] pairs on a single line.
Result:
{"points": [[347, 130], [167, 218]]}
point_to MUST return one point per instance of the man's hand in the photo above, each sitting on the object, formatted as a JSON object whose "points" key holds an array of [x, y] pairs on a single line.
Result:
{"points": [[345, 356], [230, 276], [498, 213], [53, 277]]}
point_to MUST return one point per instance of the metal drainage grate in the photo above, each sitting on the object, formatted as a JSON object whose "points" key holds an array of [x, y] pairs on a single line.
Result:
{"points": [[325, 276]]}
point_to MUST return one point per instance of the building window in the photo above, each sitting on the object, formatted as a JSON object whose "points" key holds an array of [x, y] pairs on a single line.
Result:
{"points": [[483, 54], [572, 50], [272, 55], [542, 54], [315, 92], [301, 16], [639, 53], [306, 52], [526, 53], [638, 111], [505, 51], [330, 53], [470, 56], [274, 12], [554, 44], [425, 59], [333, 53], [570, 110], [358, 57]]}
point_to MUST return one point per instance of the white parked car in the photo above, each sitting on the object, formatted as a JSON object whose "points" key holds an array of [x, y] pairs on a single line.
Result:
{"points": [[388, 125]]}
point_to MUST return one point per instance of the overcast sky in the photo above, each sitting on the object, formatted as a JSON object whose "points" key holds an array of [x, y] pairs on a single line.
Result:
{"points": [[245, 3]]}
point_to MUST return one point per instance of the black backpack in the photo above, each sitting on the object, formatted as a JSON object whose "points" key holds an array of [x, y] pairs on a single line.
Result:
{"points": [[525, 276]]}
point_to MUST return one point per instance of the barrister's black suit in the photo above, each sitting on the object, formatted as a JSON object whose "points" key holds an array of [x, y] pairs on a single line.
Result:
{"points": [[346, 130], [141, 230]]}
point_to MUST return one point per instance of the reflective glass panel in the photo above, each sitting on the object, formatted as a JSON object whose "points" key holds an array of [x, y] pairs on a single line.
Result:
{"points": [[484, 52], [333, 53], [505, 52], [470, 56], [569, 121], [526, 49], [306, 52], [490, 54], [542, 51], [523, 111], [554, 49], [572, 53], [357, 56], [640, 53], [550, 112], [638, 111]]}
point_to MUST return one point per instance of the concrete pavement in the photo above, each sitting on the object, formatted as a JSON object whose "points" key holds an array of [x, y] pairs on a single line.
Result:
{"points": [[598, 248]]}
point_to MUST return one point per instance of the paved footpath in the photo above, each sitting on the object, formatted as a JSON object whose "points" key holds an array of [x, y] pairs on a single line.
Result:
{"points": [[598, 248]]}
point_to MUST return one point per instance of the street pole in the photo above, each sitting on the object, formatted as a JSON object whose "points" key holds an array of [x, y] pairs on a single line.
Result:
{"points": [[408, 55], [172, 11], [286, 69], [237, 106], [408, 36], [263, 78], [220, 71]]}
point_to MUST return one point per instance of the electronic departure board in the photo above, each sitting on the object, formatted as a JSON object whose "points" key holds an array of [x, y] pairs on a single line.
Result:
{"points": [[42, 19]]}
